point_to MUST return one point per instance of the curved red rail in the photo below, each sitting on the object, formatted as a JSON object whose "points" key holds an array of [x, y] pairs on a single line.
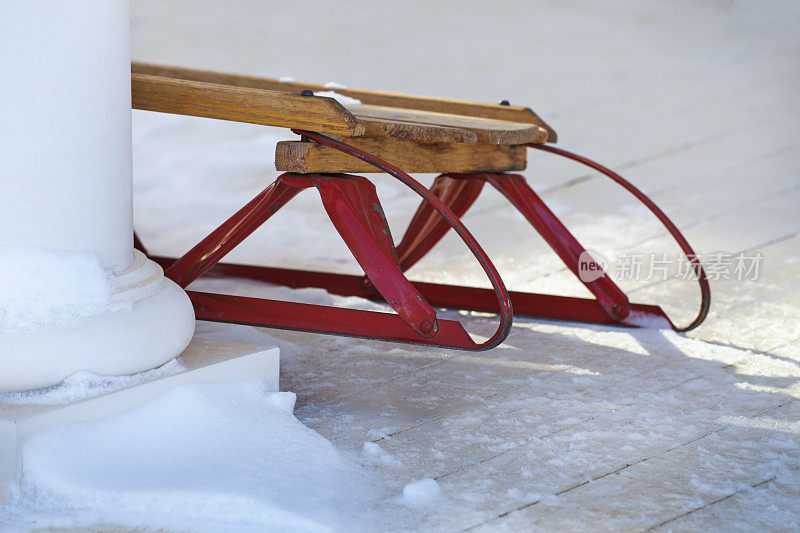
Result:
{"points": [[705, 289], [503, 298]]}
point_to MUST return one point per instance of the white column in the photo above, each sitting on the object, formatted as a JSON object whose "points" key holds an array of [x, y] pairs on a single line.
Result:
{"points": [[65, 194]]}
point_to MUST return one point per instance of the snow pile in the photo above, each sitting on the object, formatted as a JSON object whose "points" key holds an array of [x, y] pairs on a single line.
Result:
{"points": [[649, 321], [202, 457], [83, 385], [422, 492], [42, 287], [342, 99], [335, 85], [374, 454]]}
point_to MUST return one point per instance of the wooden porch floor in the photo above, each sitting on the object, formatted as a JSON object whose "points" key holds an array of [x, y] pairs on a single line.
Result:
{"points": [[565, 426]]}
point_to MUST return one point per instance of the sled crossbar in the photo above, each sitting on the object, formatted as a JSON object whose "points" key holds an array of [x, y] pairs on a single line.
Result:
{"points": [[411, 156]]}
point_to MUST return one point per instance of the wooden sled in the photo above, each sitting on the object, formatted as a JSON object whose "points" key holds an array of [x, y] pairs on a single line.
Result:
{"points": [[468, 144]]}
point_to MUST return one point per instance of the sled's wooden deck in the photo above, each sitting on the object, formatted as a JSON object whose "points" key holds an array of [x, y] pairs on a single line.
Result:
{"points": [[569, 427]]}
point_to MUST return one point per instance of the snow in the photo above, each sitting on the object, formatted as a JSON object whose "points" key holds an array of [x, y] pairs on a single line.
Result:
{"points": [[422, 492], [342, 99], [83, 385], [42, 287], [373, 453], [202, 457], [335, 85], [287, 79]]}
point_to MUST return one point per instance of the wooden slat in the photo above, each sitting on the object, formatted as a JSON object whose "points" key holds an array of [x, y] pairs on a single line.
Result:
{"points": [[275, 108], [324, 115], [424, 133], [305, 157], [487, 130], [380, 98], [242, 104], [524, 115]]}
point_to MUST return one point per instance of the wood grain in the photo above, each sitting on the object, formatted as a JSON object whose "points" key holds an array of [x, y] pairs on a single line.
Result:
{"points": [[320, 114], [487, 130], [276, 108], [380, 98], [242, 104], [415, 131], [456, 107], [305, 157]]}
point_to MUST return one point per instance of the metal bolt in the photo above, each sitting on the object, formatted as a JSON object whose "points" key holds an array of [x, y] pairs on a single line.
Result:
{"points": [[426, 326], [368, 285], [306, 92], [505, 102]]}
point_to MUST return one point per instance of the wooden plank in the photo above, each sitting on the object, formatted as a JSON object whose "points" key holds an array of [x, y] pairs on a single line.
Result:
{"points": [[380, 98], [305, 157], [488, 130], [414, 131], [325, 115], [276, 108], [509, 113], [242, 104], [320, 114]]}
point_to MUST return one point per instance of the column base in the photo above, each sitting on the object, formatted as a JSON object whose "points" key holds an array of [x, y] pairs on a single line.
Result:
{"points": [[154, 325]]}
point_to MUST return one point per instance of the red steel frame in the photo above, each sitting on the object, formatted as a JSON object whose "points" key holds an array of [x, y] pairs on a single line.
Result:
{"points": [[355, 211]]}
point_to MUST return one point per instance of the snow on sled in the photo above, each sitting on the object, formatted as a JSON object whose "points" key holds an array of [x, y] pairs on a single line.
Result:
{"points": [[468, 144]]}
